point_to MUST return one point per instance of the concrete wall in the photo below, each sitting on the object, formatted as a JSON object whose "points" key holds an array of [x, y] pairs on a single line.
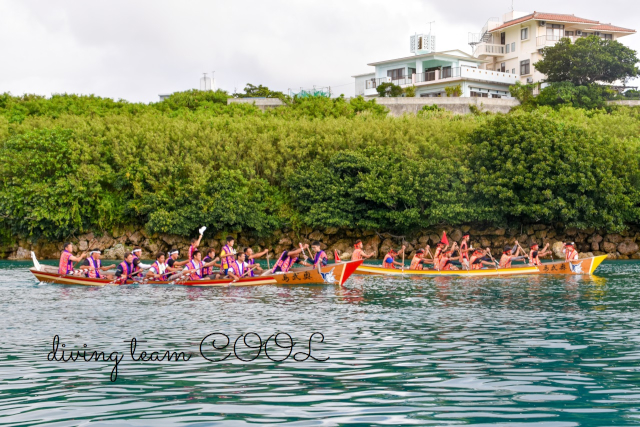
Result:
{"points": [[400, 106], [629, 103]]}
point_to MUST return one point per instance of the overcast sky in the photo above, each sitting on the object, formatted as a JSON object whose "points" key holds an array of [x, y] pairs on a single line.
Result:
{"points": [[137, 49]]}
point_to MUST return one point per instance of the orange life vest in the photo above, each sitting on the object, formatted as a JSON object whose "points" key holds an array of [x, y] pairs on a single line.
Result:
{"points": [[569, 255], [416, 263], [463, 250], [386, 264], [473, 264], [505, 261]]}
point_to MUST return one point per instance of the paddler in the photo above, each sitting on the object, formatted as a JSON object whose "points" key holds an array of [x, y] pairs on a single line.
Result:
{"points": [[250, 258], [358, 253], [419, 259], [510, 254], [287, 259], [172, 260], [159, 270], [438, 252], [195, 243], [67, 259], [137, 253], [389, 260], [444, 261], [320, 257], [126, 268], [195, 267], [569, 251], [92, 266], [479, 259], [240, 268], [211, 261], [227, 255], [535, 253], [464, 250]]}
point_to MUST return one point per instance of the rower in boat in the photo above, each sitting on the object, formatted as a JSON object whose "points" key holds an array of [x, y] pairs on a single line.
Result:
{"points": [[510, 254], [535, 253], [444, 261], [480, 259], [92, 266], [126, 268], [211, 261], [67, 259], [287, 259], [227, 256], [389, 260], [137, 253], [419, 259], [569, 251], [250, 258], [194, 268], [159, 270], [358, 253], [172, 260], [241, 268], [320, 258], [464, 251]]}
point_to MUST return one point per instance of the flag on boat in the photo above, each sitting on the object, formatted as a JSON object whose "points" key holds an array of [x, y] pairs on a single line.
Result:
{"points": [[444, 238]]}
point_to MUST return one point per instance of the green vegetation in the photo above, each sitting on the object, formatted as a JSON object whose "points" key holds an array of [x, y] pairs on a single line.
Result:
{"points": [[453, 90], [389, 90], [410, 91], [70, 164]]}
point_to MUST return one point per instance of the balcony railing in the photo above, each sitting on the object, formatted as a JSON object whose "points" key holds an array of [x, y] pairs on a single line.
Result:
{"points": [[400, 81], [548, 40], [427, 76]]}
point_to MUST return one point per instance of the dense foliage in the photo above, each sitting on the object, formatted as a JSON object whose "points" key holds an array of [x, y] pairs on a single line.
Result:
{"points": [[70, 164], [588, 61]]}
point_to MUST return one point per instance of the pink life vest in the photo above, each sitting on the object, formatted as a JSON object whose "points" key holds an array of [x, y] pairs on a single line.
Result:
{"points": [[225, 261], [95, 265], [284, 264], [191, 249], [156, 266], [192, 266], [238, 268], [66, 265], [126, 269]]}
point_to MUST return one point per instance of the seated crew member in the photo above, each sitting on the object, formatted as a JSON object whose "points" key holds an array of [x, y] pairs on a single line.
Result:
{"points": [[137, 253], [240, 267], [508, 255], [389, 260], [480, 259], [320, 257], [464, 251], [569, 251], [159, 269], [358, 253], [250, 258], [227, 256], [211, 261], [287, 259], [125, 269], [419, 259], [67, 259], [195, 267], [535, 253], [437, 253], [92, 266], [444, 261], [172, 261]]}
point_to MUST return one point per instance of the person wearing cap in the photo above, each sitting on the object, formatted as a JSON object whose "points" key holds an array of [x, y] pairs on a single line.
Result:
{"points": [[464, 250], [389, 260], [569, 251], [92, 266], [535, 253], [419, 259], [358, 253], [511, 254], [67, 259]]}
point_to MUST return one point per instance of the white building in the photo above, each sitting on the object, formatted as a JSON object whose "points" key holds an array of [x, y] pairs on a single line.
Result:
{"points": [[432, 72], [514, 43]]}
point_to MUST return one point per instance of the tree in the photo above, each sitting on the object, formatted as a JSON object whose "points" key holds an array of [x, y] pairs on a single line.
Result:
{"points": [[410, 92], [453, 91], [588, 60], [389, 89], [251, 91], [566, 93]]}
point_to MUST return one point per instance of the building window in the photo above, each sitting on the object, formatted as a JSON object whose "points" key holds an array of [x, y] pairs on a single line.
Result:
{"points": [[396, 74], [513, 71], [607, 36], [555, 31], [475, 94], [508, 48], [502, 67], [446, 72], [568, 33], [495, 95], [524, 67], [513, 46], [412, 71], [524, 34]]}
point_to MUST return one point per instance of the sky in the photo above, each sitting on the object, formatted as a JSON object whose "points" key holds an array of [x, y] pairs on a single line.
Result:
{"points": [[138, 49]]}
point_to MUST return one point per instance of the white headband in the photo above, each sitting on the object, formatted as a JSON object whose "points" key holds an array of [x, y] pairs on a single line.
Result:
{"points": [[173, 252], [94, 252]]}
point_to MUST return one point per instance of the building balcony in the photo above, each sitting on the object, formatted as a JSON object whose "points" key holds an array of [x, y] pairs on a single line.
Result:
{"points": [[444, 75], [546, 41], [489, 49]]}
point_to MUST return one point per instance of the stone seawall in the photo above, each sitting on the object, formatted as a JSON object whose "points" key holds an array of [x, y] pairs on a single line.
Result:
{"points": [[399, 106], [589, 242]]}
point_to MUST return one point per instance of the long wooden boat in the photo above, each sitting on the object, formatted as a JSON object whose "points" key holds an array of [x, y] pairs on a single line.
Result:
{"points": [[583, 266], [331, 274]]}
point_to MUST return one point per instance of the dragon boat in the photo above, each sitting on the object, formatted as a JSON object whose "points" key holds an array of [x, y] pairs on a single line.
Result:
{"points": [[585, 266], [331, 274]]}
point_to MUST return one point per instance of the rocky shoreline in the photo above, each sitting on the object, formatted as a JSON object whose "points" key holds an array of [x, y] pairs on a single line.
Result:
{"points": [[589, 242]]}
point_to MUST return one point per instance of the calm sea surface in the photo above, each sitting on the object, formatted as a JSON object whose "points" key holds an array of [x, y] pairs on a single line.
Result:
{"points": [[524, 351]]}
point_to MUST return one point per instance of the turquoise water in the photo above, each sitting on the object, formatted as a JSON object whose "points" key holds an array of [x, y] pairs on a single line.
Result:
{"points": [[539, 351]]}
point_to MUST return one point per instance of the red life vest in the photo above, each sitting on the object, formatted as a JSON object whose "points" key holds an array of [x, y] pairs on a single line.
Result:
{"points": [[443, 263], [66, 265], [463, 250], [284, 264], [156, 266], [505, 261], [95, 264], [192, 266], [386, 264], [475, 265]]}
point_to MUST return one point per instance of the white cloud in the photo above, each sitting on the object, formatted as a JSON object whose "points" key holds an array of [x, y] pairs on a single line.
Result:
{"points": [[138, 49]]}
